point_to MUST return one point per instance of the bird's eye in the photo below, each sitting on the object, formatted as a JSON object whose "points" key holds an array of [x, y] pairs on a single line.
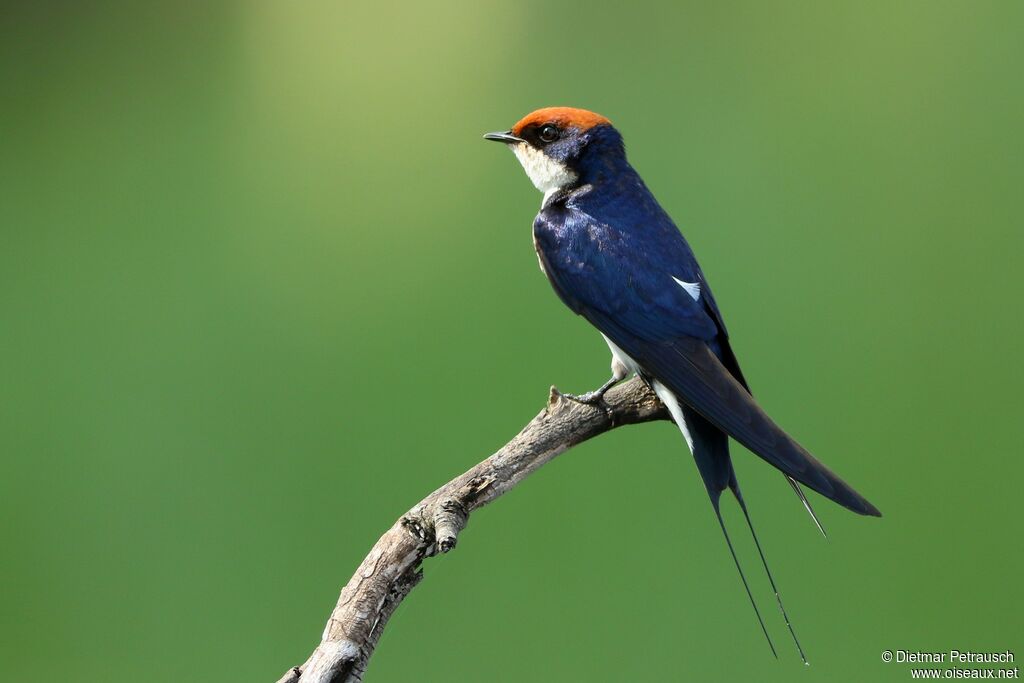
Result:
{"points": [[548, 133]]}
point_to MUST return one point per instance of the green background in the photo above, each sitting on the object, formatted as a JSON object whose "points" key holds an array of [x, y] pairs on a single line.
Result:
{"points": [[263, 287]]}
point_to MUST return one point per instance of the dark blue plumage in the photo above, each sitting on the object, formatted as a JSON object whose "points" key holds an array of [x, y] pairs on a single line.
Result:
{"points": [[615, 257], [608, 246]]}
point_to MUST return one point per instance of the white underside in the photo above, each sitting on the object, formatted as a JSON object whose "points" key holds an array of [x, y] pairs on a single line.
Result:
{"points": [[623, 359], [674, 409]]}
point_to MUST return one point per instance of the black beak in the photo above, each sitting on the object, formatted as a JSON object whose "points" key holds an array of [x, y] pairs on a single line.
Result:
{"points": [[505, 137]]}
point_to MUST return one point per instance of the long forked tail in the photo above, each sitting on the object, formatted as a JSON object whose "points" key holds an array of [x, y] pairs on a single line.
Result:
{"points": [[753, 603], [710, 448], [734, 485]]}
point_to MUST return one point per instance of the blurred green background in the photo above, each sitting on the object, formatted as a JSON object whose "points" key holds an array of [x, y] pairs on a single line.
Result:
{"points": [[263, 287]]}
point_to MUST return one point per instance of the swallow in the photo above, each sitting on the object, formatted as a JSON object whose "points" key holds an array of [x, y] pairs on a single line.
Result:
{"points": [[616, 258]]}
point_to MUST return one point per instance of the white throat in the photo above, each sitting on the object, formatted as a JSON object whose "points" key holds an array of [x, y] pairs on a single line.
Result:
{"points": [[546, 174]]}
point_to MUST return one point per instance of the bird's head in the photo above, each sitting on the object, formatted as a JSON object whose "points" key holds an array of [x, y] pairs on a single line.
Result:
{"points": [[559, 147]]}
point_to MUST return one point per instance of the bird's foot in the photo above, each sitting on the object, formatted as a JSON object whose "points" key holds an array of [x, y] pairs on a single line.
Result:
{"points": [[590, 398]]}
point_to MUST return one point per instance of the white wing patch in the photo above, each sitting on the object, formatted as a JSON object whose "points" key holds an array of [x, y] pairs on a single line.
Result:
{"points": [[692, 288]]}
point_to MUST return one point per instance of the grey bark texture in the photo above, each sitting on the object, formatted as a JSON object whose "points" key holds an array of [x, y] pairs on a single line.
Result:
{"points": [[392, 567]]}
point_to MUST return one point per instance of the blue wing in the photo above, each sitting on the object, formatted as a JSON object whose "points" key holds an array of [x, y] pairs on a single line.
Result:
{"points": [[622, 277], [619, 273]]}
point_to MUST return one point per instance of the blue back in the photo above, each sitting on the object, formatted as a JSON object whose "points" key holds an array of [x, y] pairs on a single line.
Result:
{"points": [[622, 264]]}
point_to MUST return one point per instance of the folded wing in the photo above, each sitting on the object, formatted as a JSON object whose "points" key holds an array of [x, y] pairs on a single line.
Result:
{"points": [[693, 372]]}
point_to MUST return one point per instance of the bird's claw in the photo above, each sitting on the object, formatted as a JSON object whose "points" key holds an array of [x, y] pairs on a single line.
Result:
{"points": [[590, 398]]}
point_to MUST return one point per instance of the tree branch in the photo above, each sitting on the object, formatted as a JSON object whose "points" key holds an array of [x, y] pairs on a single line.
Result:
{"points": [[392, 568]]}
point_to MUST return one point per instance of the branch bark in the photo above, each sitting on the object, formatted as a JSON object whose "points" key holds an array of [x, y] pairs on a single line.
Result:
{"points": [[392, 568]]}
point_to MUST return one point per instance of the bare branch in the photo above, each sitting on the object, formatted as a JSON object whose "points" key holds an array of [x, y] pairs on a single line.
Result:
{"points": [[392, 568]]}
